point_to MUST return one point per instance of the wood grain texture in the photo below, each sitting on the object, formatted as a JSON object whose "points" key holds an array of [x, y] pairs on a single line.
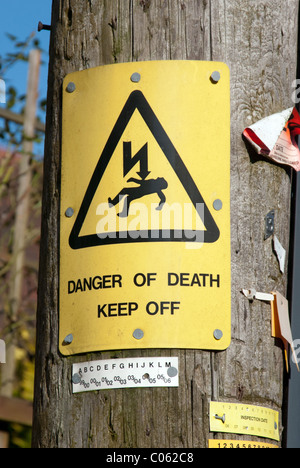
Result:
{"points": [[258, 40]]}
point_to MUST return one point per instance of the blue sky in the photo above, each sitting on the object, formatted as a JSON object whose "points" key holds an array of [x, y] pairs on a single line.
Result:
{"points": [[20, 18]]}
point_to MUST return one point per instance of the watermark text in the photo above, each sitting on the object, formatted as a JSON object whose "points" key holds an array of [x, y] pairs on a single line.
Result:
{"points": [[175, 222]]}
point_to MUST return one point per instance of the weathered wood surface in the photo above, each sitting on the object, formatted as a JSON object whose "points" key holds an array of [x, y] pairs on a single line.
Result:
{"points": [[258, 40]]}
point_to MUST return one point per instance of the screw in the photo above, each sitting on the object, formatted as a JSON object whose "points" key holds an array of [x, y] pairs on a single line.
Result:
{"points": [[215, 77], [221, 418], [138, 334], [71, 87], [218, 334], [43, 27], [69, 212], [136, 78]]}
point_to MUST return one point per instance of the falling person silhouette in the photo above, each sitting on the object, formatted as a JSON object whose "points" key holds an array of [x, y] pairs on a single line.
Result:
{"points": [[146, 187]]}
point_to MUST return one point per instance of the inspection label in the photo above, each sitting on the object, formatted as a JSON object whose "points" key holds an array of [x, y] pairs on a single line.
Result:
{"points": [[236, 418], [125, 373]]}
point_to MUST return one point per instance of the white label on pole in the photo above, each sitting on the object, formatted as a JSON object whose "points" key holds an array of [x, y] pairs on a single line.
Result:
{"points": [[281, 253], [125, 373]]}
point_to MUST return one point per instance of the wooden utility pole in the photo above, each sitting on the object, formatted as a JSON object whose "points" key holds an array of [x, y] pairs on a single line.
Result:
{"points": [[258, 41]]}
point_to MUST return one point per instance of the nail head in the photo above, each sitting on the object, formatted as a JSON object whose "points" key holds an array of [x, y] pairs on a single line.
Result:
{"points": [[42, 27], [71, 87], [223, 418], [215, 77], [136, 77], [138, 334], [76, 379], [69, 212], [68, 340], [218, 335], [172, 372], [218, 205]]}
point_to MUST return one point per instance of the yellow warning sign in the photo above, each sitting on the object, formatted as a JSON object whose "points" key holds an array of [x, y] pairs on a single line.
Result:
{"points": [[145, 207]]}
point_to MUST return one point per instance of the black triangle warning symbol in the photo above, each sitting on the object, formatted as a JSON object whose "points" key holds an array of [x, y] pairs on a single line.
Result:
{"points": [[137, 101]]}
